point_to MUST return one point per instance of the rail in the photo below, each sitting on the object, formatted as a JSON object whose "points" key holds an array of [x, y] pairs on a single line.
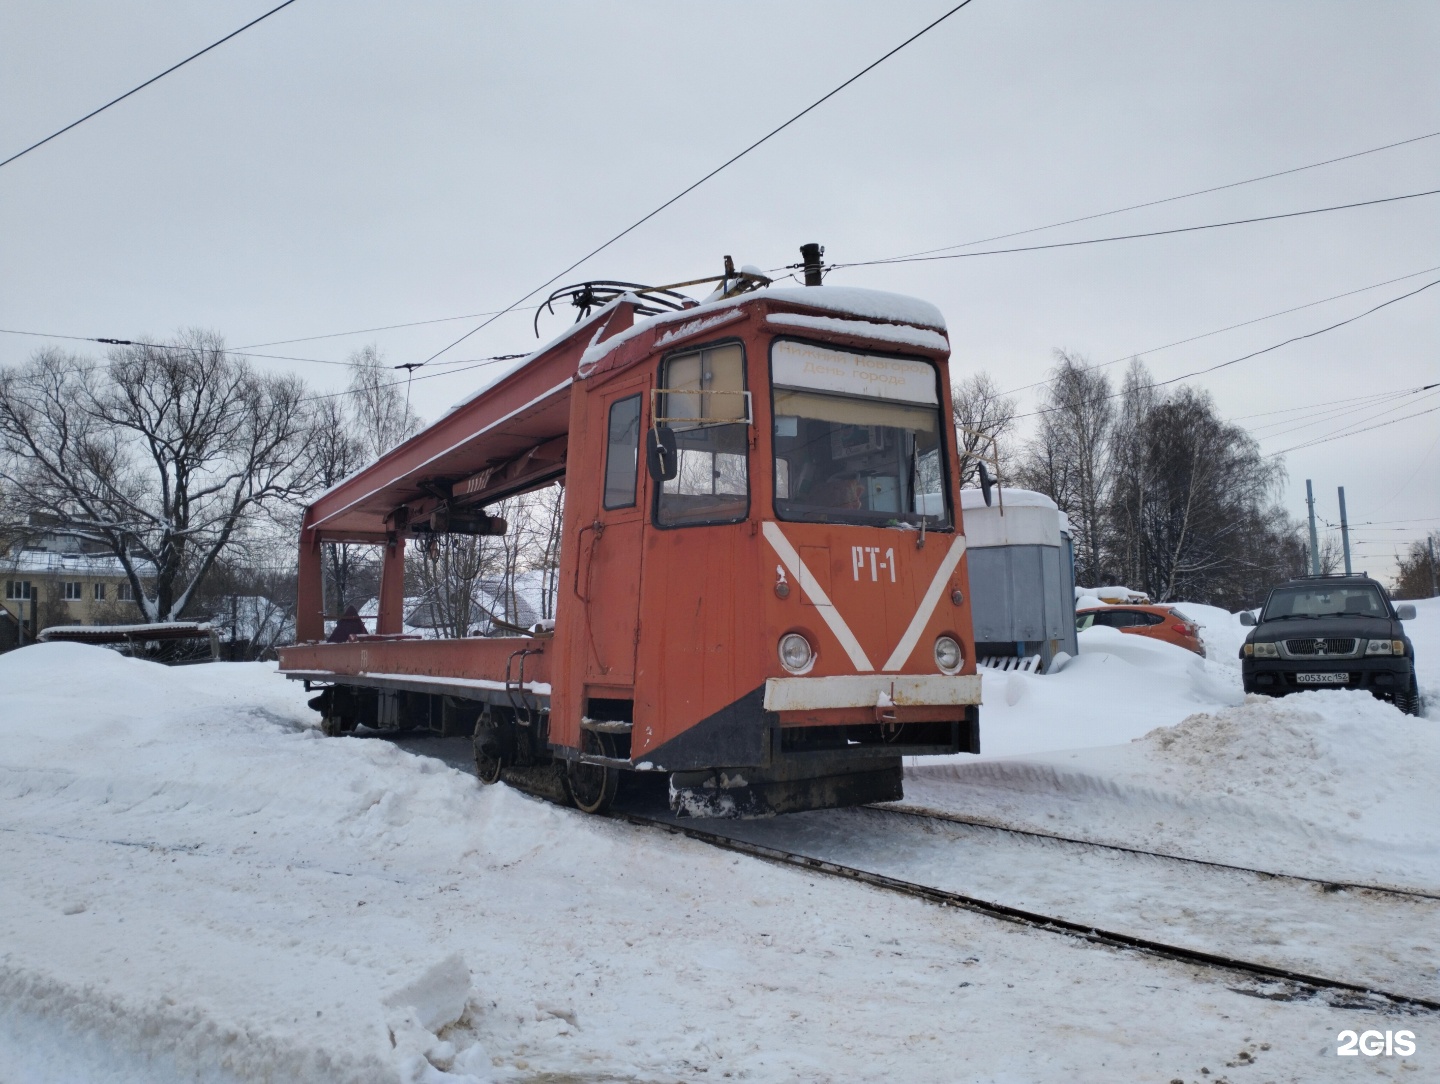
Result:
{"points": [[1315, 984]]}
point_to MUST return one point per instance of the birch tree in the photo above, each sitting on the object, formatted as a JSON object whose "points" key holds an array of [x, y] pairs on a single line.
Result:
{"points": [[1069, 458]]}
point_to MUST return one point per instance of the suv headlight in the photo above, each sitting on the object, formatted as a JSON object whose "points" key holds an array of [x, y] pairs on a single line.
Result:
{"points": [[1262, 650], [1385, 647]]}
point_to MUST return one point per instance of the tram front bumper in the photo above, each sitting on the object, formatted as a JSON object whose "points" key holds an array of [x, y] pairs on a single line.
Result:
{"points": [[871, 691]]}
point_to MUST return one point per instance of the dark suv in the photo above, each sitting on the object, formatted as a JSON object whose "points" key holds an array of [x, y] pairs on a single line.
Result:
{"points": [[1324, 632]]}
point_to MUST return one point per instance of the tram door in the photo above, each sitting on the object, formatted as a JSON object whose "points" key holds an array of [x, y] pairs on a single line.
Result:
{"points": [[610, 548]]}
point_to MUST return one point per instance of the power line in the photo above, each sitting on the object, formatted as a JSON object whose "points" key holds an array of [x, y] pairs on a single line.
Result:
{"points": [[1232, 327], [171, 346], [686, 191], [1172, 199], [1388, 408], [1390, 403], [1135, 236], [142, 86], [1355, 432], [385, 327], [1327, 402], [1255, 353], [478, 364]]}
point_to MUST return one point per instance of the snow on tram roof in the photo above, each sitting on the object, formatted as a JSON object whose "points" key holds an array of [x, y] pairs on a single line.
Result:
{"points": [[869, 304], [894, 309], [853, 301]]}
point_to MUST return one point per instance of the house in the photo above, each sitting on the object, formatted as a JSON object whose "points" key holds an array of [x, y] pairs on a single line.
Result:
{"points": [[65, 579]]}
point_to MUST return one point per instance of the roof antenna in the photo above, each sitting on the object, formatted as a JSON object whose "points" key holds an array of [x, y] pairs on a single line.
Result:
{"points": [[810, 255]]}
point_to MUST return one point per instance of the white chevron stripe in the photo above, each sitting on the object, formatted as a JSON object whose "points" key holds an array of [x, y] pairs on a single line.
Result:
{"points": [[927, 605], [823, 605]]}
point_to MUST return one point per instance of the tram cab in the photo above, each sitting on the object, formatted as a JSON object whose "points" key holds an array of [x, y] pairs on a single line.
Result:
{"points": [[763, 584], [770, 564]]}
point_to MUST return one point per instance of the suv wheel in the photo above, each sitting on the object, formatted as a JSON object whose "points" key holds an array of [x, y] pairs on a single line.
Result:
{"points": [[1409, 701]]}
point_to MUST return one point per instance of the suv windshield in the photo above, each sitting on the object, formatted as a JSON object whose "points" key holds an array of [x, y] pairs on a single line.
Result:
{"points": [[857, 437], [1356, 600]]}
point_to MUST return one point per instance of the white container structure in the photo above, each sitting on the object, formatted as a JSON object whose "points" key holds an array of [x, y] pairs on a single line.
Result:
{"points": [[1022, 578]]}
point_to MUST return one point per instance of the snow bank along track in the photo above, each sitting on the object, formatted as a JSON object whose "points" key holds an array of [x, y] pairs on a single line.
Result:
{"points": [[1328, 884], [1301, 984]]}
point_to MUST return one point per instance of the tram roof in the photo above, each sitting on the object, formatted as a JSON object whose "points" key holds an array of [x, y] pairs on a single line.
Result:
{"points": [[511, 435]]}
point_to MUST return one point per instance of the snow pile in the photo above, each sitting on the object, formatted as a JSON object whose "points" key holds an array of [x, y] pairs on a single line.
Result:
{"points": [[198, 888], [1330, 784], [1424, 633], [1145, 744], [1121, 686]]}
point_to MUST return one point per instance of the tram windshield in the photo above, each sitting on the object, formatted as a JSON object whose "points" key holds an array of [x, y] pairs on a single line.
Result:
{"points": [[857, 438]]}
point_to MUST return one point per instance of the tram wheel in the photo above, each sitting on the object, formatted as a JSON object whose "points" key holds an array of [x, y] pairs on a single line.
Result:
{"points": [[593, 786], [490, 756]]}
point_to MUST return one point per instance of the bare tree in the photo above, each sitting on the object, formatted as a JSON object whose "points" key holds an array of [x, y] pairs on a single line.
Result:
{"points": [[983, 418], [378, 405], [352, 430], [1069, 459], [544, 510], [449, 572], [167, 454], [1416, 574], [1131, 480], [1198, 503]]}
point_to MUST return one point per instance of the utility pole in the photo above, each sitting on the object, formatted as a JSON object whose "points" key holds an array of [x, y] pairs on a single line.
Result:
{"points": [[1434, 588], [1314, 546], [1344, 531]]}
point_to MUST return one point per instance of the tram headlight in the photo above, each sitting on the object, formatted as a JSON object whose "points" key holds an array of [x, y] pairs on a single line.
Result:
{"points": [[796, 654], [948, 655]]}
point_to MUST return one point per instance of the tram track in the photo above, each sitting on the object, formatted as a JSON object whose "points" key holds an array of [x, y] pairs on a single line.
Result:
{"points": [[1302, 984], [1325, 883]]}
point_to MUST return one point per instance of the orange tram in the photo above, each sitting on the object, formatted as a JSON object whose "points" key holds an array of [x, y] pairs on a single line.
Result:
{"points": [[762, 581]]}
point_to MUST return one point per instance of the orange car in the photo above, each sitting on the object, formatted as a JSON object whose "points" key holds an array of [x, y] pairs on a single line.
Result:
{"points": [[1162, 622]]}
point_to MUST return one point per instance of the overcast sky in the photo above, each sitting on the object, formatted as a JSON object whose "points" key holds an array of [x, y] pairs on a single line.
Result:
{"points": [[347, 165]]}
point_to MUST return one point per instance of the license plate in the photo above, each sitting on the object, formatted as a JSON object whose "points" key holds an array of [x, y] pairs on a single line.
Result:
{"points": [[1323, 679]]}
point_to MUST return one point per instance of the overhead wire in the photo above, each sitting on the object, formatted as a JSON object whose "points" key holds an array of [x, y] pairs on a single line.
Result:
{"points": [[1232, 327], [1391, 402], [1137, 236], [142, 86], [1327, 402], [173, 346], [1388, 408], [1256, 353], [690, 188], [383, 327], [1173, 199], [1355, 432], [966, 244]]}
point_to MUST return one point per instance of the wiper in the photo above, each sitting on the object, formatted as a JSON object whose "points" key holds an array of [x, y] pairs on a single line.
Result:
{"points": [[1285, 617]]}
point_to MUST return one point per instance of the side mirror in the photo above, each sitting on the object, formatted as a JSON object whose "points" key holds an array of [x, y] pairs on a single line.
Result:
{"points": [[661, 458], [1405, 612], [1246, 617], [986, 482]]}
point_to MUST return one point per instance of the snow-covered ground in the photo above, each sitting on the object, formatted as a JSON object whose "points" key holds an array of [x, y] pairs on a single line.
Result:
{"points": [[197, 887], [1144, 744]]}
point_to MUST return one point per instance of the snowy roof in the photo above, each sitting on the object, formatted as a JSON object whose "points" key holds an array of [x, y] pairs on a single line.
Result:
{"points": [[1027, 519], [1014, 498], [81, 564], [155, 630]]}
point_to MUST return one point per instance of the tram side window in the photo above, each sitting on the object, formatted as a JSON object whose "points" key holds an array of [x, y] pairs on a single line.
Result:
{"points": [[622, 453], [705, 405]]}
